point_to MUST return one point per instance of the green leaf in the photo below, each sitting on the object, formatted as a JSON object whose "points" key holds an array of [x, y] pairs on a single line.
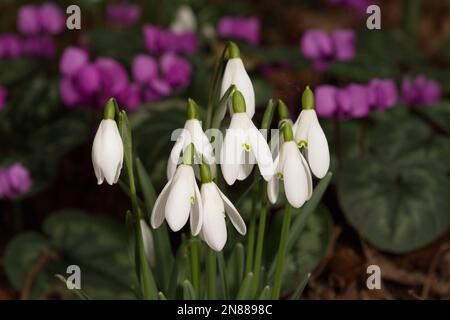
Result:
{"points": [[188, 291], [223, 276], [245, 291], [301, 286], [15, 70], [163, 251], [265, 293], [235, 269], [106, 272]]}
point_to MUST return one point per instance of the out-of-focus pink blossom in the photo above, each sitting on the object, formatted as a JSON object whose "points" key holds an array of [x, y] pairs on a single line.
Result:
{"points": [[382, 93], [130, 98], [69, 93], [421, 90], [159, 40], [123, 13], [72, 60], [28, 20], [323, 48], [144, 68], [10, 46], [51, 18], [176, 70], [88, 79], [359, 6], [246, 29], [14, 181]]}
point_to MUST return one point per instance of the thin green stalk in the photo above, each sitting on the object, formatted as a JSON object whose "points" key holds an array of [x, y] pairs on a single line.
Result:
{"points": [[259, 247], [195, 266], [211, 267], [218, 71], [281, 252], [251, 232]]}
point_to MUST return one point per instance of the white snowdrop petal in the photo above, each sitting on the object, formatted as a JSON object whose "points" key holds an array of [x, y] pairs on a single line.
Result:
{"points": [[107, 151], [182, 141], [233, 214], [200, 140], [158, 212], [261, 151], [236, 74], [273, 184], [214, 224], [180, 197], [308, 178], [232, 149], [294, 176], [302, 124], [246, 167], [317, 150], [197, 214]]}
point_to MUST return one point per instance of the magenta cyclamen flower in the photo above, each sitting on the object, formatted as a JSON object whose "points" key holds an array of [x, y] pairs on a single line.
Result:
{"points": [[144, 69], [421, 90], [3, 95], [323, 48], [246, 29], [10, 46], [355, 100], [176, 70], [158, 40], [28, 20], [359, 6], [48, 18], [14, 181], [51, 18], [123, 13], [72, 60]]}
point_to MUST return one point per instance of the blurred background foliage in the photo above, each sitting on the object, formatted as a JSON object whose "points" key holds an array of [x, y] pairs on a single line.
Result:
{"points": [[390, 189]]}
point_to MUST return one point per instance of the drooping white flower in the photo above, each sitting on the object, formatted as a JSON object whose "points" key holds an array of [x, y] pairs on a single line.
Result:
{"points": [[185, 20], [191, 133], [107, 149], [216, 206], [292, 169], [180, 199], [147, 237], [235, 74], [309, 134], [244, 143]]}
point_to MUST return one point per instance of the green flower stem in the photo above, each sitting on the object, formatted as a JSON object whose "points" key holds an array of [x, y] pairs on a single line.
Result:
{"points": [[144, 273], [195, 266], [251, 231], [259, 246], [211, 268], [281, 253], [218, 73]]}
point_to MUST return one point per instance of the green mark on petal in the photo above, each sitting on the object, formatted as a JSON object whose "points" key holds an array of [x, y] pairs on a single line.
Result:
{"points": [[192, 200], [302, 144], [246, 146]]}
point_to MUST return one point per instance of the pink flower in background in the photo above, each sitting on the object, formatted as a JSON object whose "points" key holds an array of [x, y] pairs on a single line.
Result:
{"points": [[48, 18], [10, 46], [70, 94], [3, 96], [355, 100], [39, 46], [51, 18], [144, 68], [113, 75], [72, 60], [323, 48], [359, 6], [159, 40], [246, 29], [14, 181], [88, 79], [383, 93], [421, 90], [130, 97], [28, 20], [176, 70], [123, 13]]}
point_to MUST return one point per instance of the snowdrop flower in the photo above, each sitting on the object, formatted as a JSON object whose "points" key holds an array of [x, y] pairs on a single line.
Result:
{"points": [[107, 149], [243, 144], [149, 246], [236, 74], [291, 167], [184, 21], [310, 136], [192, 133], [180, 198], [215, 208]]}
